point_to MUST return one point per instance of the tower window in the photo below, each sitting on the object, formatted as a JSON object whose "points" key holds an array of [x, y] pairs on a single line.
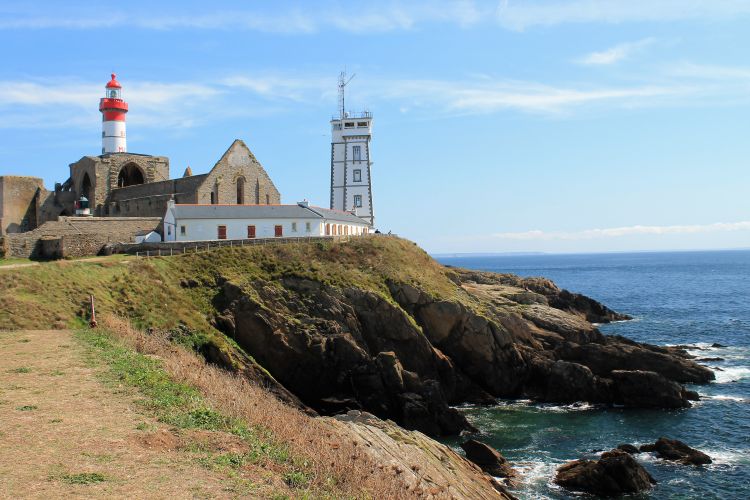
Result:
{"points": [[349, 125], [361, 124], [357, 200], [357, 175], [357, 153]]}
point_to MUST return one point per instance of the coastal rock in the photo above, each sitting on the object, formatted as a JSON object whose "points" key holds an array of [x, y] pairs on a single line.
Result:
{"points": [[409, 354], [488, 459], [642, 389], [627, 448], [428, 468], [615, 473], [677, 451]]}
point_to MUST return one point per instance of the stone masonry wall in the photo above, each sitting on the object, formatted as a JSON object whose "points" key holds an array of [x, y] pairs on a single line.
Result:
{"points": [[80, 235], [18, 200], [238, 162], [150, 200]]}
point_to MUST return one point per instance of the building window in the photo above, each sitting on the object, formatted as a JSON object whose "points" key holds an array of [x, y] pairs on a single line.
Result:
{"points": [[361, 124], [278, 231], [357, 200], [268, 199], [251, 232], [357, 153], [357, 175], [349, 125], [222, 232], [183, 230], [294, 227], [336, 126], [241, 191], [308, 227]]}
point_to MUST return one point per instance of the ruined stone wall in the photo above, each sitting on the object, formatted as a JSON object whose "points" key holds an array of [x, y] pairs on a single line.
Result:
{"points": [[18, 203], [238, 163], [80, 235], [103, 172], [150, 200]]}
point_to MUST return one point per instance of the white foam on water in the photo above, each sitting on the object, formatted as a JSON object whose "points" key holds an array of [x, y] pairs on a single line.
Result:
{"points": [[727, 397], [732, 374], [728, 456], [534, 475]]}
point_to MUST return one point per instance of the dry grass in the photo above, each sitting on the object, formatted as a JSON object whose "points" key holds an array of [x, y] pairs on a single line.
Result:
{"points": [[334, 465]]}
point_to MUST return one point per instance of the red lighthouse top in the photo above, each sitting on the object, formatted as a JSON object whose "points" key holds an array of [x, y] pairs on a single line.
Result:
{"points": [[112, 106], [113, 83]]}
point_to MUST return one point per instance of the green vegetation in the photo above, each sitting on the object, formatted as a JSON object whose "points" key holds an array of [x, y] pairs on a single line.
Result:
{"points": [[27, 408], [149, 291], [180, 405], [83, 478], [7, 261], [22, 369]]}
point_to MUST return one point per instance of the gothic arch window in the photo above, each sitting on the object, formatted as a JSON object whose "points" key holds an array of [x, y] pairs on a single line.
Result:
{"points": [[240, 190], [257, 192], [215, 194], [130, 175], [86, 187], [268, 199]]}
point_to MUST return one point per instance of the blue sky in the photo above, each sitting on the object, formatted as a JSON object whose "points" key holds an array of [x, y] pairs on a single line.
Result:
{"points": [[563, 126]]}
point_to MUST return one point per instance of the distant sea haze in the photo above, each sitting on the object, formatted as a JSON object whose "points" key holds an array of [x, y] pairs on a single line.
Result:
{"points": [[694, 298]]}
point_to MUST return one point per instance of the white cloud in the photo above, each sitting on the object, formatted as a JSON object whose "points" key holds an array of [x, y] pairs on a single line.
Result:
{"points": [[522, 14], [614, 54], [27, 104], [709, 72], [352, 18], [617, 232]]}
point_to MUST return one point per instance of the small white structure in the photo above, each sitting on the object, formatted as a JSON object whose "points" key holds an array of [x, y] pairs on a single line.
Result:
{"points": [[235, 222], [147, 237], [351, 182]]}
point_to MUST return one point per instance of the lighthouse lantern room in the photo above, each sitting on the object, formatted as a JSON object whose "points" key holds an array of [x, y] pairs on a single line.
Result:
{"points": [[113, 110]]}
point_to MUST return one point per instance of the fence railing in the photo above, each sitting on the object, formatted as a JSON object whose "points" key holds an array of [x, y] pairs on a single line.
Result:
{"points": [[171, 248]]}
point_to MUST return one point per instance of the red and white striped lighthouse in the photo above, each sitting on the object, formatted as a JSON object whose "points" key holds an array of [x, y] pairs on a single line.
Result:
{"points": [[113, 110]]}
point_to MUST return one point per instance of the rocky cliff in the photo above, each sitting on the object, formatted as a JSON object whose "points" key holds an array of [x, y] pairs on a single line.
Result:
{"points": [[407, 347]]}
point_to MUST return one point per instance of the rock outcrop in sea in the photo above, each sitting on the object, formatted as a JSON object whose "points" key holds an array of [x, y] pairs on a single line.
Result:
{"points": [[676, 451], [408, 353], [615, 473]]}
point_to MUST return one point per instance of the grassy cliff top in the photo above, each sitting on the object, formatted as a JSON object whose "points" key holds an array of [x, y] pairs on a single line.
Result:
{"points": [[149, 291]]}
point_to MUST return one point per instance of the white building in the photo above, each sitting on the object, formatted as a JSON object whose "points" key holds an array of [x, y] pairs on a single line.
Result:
{"points": [[234, 222], [351, 165]]}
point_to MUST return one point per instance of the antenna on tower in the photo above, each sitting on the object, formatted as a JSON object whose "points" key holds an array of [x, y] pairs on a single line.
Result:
{"points": [[343, 82]]}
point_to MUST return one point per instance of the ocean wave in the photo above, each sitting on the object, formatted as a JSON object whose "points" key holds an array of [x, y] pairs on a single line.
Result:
{"points": [[533, 477], [732, 374], [728, 456], [725, 397]]}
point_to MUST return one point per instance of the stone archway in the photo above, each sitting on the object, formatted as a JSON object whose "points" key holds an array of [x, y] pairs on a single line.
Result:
{"points": [[130, 175], [86, 188]]}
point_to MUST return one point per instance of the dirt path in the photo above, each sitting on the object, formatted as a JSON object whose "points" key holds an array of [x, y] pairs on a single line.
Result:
{"points": [[64, 434], [103, 258]]}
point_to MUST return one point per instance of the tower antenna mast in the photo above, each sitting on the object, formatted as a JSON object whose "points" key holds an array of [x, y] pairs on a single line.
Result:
{"points": [[343, 82]]}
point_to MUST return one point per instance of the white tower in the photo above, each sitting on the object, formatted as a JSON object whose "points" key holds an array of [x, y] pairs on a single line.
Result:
{"points": [[351, 183], [113, 110]]}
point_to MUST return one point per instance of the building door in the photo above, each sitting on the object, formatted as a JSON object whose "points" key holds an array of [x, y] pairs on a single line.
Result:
{"points": [[278, 231], [222, 232], [251, 232]]}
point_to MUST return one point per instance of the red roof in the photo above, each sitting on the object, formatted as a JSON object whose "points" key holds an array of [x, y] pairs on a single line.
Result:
{"points": [[113, 83]]}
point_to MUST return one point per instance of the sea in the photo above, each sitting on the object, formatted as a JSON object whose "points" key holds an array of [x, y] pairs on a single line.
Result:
{"points": [[676, 298]]}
